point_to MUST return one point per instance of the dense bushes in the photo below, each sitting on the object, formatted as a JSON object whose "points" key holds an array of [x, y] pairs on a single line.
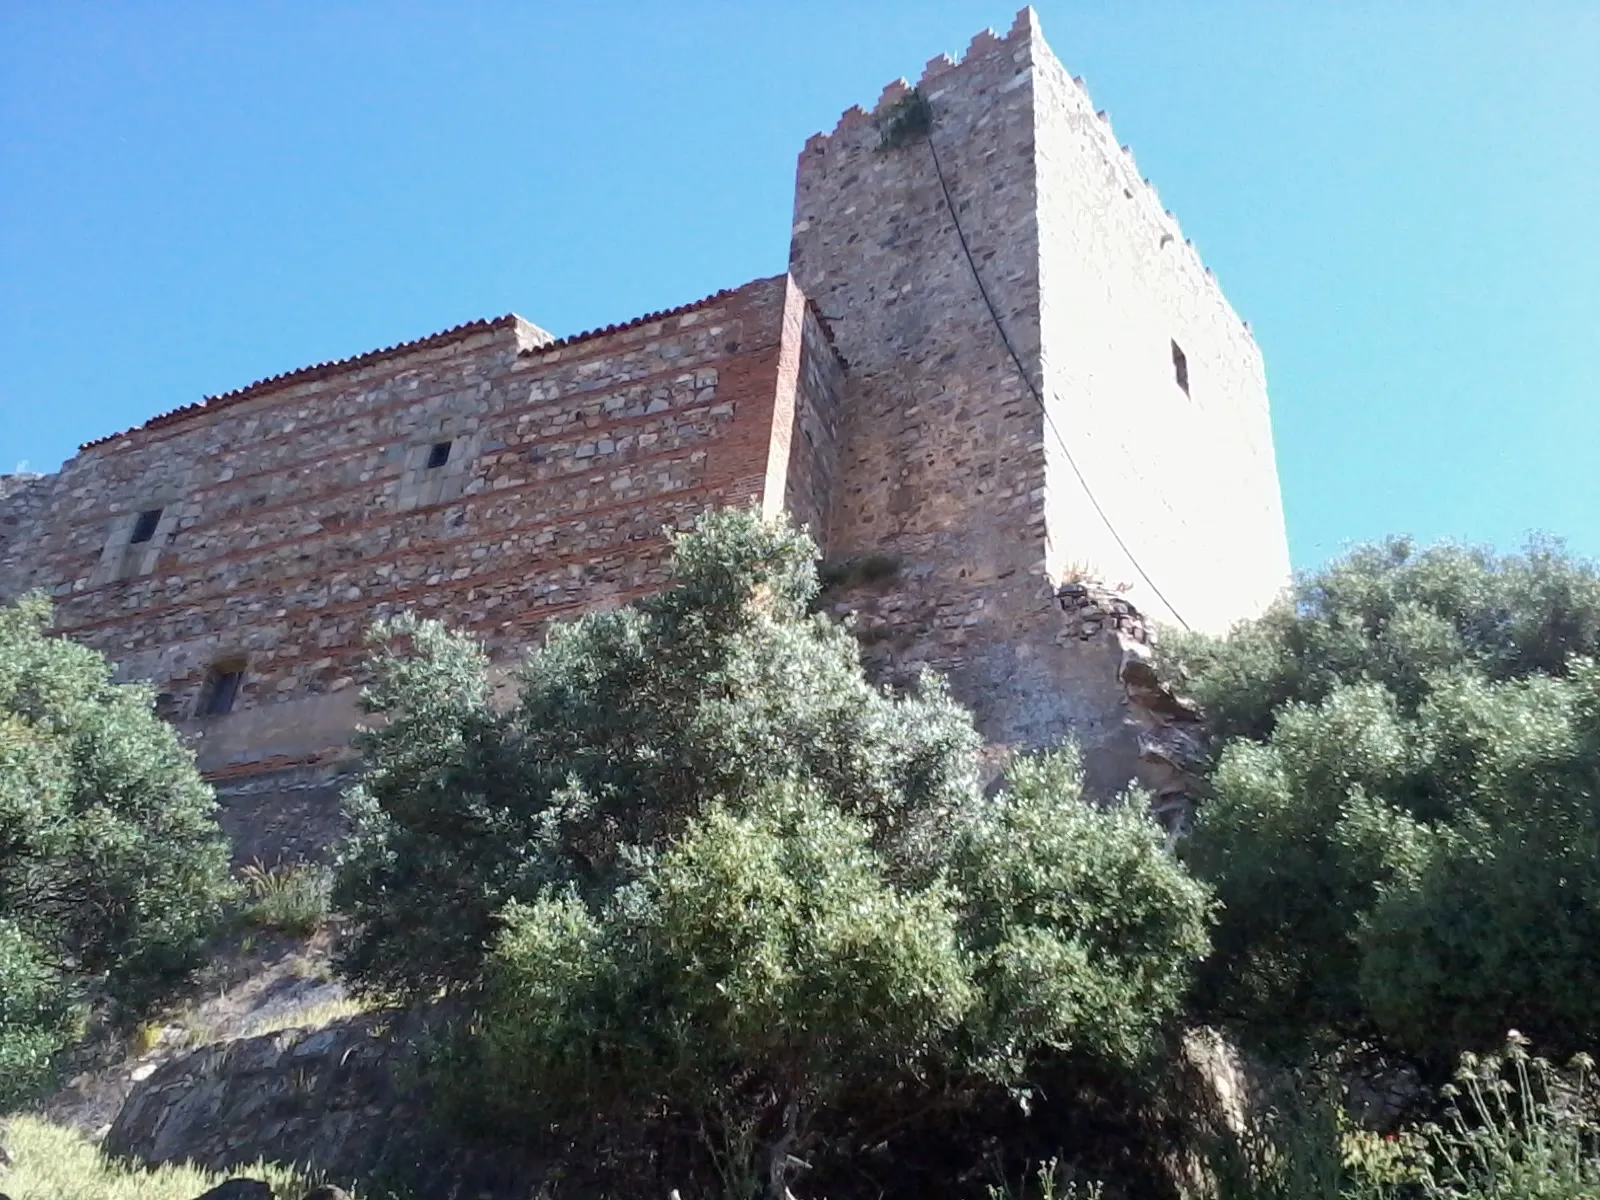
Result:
{"points": [[34, 1015], [112, 868], [628, 724], [701, 874], [703, 868], [1404, 829]]}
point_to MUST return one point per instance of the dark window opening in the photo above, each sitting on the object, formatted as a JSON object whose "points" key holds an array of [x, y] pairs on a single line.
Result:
{"points": [[222, 689], [438, 454], [1180, 367], [145, 527]]}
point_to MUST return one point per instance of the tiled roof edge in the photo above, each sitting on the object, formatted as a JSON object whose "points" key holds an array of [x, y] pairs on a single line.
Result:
{"points": [[590, 334], [667, 313], [322, 370], [316, 371]]}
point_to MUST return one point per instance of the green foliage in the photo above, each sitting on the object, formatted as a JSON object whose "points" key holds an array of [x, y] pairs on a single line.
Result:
{"points": [[292, 899], [1515, 1129], [907, 120], [1404, 826], [1394, 616], [34, 1016], [628, 724], [1291, 1148], [56, 1163], [1512, 1128], [1083, 930], [762, 967], [704, 873], [1050, 1182], [112, 868], [767, 965]]}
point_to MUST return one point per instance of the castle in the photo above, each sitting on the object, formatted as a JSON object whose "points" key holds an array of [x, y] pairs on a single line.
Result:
{"points": [[993, 368]]}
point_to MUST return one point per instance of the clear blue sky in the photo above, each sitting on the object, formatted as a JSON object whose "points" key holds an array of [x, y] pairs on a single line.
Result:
{"points": [[1402, 198]]}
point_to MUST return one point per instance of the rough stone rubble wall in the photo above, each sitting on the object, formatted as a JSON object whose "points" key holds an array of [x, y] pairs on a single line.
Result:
{"points": [[942, 470], [292, 520], [957, 518], [809, 437], [22, 500]]}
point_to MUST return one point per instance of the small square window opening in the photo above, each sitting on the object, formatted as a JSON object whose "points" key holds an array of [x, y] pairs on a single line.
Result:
{"points": [[1180, 367], [145, 527], [438, 454], [222, 689]]}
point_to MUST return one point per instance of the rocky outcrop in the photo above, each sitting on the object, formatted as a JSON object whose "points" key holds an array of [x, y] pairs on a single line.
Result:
{"points": [[238, 1189], [1170, 734], [346, 1101], [325, 1098]]}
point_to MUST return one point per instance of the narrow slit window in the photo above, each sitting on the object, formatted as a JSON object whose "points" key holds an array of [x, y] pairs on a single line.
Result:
{"points": [[438, 454], [145, 527], [222, 689], [1180, 367]]}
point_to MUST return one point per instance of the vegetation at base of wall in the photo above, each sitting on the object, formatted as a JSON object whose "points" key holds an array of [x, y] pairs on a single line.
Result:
{"points": [[628, 724], [707, 892], [53, 1163], [36, 1017], [113, 871], [1048, 1181], [766, 968], [290, 898], [1510, 1127], [725, 881], [1404, 818]]}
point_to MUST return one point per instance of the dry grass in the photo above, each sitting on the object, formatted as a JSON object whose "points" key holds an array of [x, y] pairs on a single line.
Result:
{"points": [[314, 1016], [53, 1163], [292, 899]]}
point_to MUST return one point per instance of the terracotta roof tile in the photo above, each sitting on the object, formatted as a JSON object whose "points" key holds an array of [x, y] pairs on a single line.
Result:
{"points": [[590, 334], [664, 314], [316, 371]]}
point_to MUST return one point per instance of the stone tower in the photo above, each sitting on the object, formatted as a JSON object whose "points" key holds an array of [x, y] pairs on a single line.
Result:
{"points": [[1045, 384]]}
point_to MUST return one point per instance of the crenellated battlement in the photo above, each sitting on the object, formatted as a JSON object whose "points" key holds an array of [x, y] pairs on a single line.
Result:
{"points": [[1144, 192], [942, 72], [936, 74]]}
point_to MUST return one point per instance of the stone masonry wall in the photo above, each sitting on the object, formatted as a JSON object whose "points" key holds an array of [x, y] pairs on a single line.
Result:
{"points": [[295, 512], [1005, 291], [22, 499], [942, 472], [957, 520], [1186, 473], [811, 443], [938, 535]]}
